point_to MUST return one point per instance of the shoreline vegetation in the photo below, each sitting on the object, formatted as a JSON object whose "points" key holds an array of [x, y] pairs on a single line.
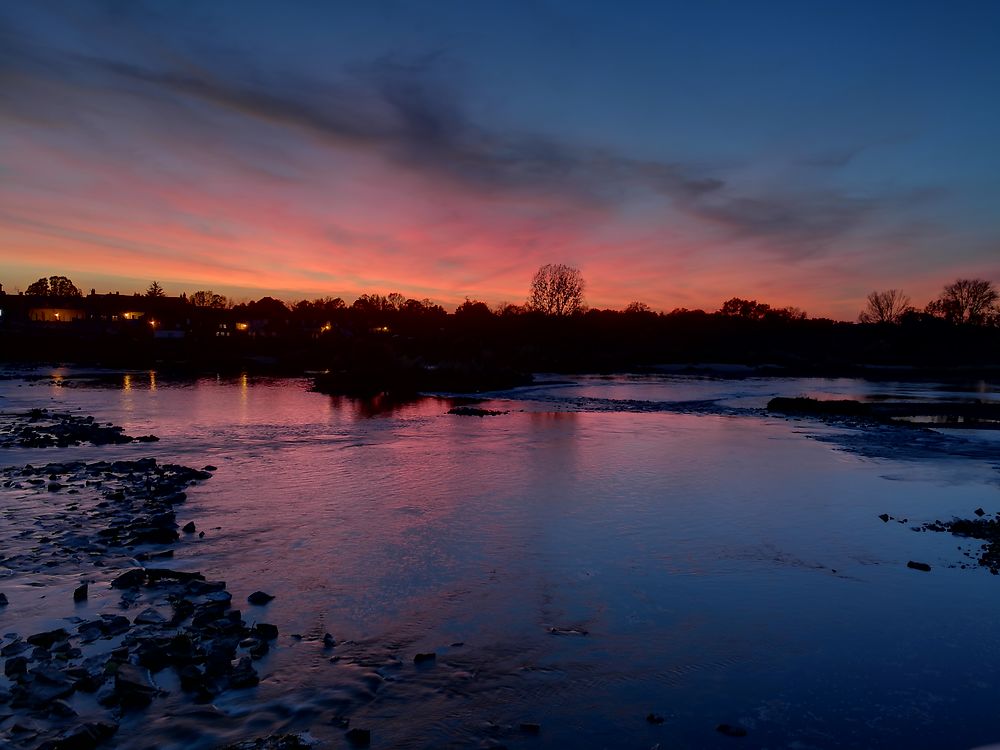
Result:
{"points": [[402, 354], [398, 347]]}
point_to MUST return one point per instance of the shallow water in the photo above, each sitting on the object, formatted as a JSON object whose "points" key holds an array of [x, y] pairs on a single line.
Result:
{"points": [[726, 567]]}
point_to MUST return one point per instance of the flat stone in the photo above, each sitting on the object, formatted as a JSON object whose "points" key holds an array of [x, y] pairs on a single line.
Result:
{"points": [[259, 598]]}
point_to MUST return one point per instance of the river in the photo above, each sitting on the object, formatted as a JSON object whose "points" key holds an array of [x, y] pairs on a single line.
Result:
{"points": [[608, 548]]}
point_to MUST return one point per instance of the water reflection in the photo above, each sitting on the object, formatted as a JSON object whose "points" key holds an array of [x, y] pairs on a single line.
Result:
{"points": [[727, 569]]}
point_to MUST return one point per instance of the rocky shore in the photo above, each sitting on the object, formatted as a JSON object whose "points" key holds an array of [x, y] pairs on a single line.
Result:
{"points": [[111, 525], [979, 415], [41, 428]]}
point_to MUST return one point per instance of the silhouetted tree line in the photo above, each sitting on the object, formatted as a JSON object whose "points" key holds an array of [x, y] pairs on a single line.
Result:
{"points": [[391, 342]]}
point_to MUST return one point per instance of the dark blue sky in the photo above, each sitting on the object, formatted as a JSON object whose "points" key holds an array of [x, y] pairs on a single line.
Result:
{"points": [[678, 153]]}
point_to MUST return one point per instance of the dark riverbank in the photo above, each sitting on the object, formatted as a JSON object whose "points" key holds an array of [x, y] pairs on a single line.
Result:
{"points": [[367, 352]]}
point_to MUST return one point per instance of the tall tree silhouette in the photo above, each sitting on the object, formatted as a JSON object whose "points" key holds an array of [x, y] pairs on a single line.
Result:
{"points": [[557, 289], [971, 301]]}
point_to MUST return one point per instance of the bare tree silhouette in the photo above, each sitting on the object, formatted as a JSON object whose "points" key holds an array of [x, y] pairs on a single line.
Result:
{"points": [[557, 289], [885, 307], [971, 301]]}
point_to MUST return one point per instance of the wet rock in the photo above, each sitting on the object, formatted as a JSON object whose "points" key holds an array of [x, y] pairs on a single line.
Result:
{"points": [[244, 675], [979, 512], [189, 527], [259, 598], [45, 684], [530, 727], [731, 730], [80, 593], [654, 718], [152, 656], [3, 600], [86, 681], [15, 666], [885, 517], [567, 631], [209, 467], [15, 647], [274, 742], [425, 658], [359, 737], [192, 678], [83, 737], [129, 579], [266, 631], [161, 555], [149, 616], [918, 566], [61, 709], [133, 686], [474, 411], [329, 641], [47, 638]]}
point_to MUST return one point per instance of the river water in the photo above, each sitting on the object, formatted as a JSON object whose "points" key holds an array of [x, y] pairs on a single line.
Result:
{"points": [[698, 559]]}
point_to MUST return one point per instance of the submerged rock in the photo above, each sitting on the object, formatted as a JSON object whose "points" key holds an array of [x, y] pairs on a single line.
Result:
{"points": [[359, 737], [274, 742], [259, 598], [731, 730], [133, 686]]}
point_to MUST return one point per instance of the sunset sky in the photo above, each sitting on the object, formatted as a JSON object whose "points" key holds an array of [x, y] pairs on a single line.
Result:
{"points": [[678, 153]]}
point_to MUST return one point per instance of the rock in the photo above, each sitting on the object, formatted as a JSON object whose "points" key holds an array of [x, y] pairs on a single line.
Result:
{"points": [[731, 730], [62, 709], [979, 512], [149, 616], [329, 641], [567, 631], [130, 579], [359, 737], [15, 647], [189, 528], [244, 675], [16, 665], [654, 718], [885, 517], [209, 467], [133, 686], [274, 742], [85, 736], [3, 600], [919, 566], [424, 658], [259, 598], [266, 631], [48, 684], [530, 727], [474, 411], [47, 638], [80, 593]]}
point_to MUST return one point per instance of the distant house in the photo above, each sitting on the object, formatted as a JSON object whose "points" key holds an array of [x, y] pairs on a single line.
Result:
{"points": [[56, 312]]}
